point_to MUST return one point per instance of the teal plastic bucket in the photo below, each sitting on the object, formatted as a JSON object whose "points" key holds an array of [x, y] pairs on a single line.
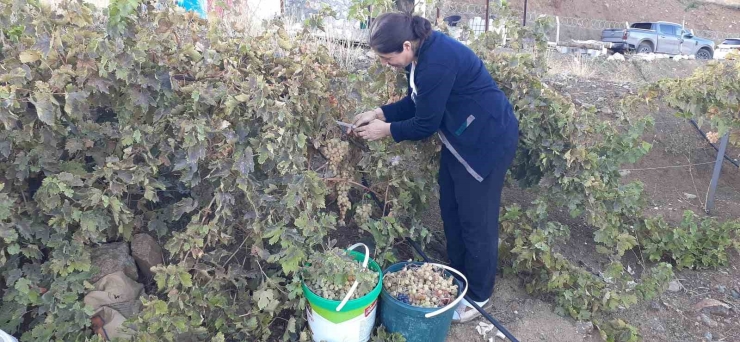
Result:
{"points": [[415, 323]]}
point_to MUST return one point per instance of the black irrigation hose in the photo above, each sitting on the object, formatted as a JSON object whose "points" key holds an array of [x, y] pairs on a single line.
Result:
{"points": [[713, 145], [418, 249]]}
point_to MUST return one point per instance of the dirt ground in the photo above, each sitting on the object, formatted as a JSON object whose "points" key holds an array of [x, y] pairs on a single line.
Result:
{"points": [[671, 186]]}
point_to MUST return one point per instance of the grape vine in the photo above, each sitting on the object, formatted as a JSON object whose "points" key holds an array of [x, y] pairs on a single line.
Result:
{"points": [[143, 118]]}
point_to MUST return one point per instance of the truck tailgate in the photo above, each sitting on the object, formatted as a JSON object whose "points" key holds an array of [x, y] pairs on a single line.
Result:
{"points": [[612, 35]]}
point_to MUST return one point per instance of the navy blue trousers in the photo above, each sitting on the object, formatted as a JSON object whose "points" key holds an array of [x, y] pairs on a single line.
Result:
{"points": [[470, 213]]}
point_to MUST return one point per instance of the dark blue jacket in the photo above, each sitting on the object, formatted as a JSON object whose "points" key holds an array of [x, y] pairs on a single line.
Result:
{"points": [[458, 98]]}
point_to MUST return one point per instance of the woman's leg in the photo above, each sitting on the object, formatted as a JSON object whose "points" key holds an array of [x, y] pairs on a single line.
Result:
{"points": [[449, 211], [470, 211], [478, 206]]}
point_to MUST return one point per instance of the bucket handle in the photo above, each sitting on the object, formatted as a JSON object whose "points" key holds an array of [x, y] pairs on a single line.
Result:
{"points": [[367, 253], [457, 300], [354, 285]]}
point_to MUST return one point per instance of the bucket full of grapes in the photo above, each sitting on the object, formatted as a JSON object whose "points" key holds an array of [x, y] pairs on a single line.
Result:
{"points": [[342, 289], [419, 299]]}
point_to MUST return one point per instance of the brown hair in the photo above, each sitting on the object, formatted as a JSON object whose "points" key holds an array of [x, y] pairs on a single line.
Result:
{"points": [[391, 30]]}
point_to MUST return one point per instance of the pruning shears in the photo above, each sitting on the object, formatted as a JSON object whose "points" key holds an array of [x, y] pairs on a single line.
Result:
{"points": [[346, 125]]}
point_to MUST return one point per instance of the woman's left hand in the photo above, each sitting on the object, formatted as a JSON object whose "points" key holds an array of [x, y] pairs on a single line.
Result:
{"points": [[375, 130]]}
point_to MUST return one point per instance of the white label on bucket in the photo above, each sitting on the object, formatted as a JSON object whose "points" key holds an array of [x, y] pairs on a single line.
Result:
{"points": [[357, 329]]}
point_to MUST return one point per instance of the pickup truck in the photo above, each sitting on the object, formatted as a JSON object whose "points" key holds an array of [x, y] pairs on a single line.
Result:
{"points": [[658, 37]]}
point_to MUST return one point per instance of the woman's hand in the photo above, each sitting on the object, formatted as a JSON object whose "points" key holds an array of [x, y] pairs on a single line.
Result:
{"points": [[374, 130], [367, 117]]}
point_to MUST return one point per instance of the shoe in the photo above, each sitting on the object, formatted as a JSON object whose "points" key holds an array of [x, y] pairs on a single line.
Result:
{"points": [[464, 313]]}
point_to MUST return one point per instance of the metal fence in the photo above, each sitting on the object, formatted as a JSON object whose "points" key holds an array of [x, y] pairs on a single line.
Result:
{"points": [[564, 28], [471, 15]]}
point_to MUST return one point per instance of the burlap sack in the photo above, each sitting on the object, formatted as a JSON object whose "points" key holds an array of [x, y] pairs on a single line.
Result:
{"points": [[114, 299]]}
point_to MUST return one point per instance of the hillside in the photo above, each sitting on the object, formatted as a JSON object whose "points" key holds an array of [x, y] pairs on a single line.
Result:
{"points": [[715, 15]]}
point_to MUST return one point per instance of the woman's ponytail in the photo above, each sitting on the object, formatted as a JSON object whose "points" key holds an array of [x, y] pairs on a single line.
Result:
{"points": [[422, 27], [390, 30]]}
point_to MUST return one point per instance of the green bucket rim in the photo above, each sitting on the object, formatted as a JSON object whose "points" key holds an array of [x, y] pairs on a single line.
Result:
{"points": [[352, 304]]}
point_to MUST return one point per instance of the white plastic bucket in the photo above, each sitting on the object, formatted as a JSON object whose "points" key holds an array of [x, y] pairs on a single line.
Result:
{"points": [[4, 337], [345, 320]]}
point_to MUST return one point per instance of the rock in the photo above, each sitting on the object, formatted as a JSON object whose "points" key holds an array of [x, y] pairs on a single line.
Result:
{"points": [[674, 286], [708, 336], [689, 196], [484, 328], [147, 253], [712, 307], [584, 328], [657, 326], [735, 294], [655, 306], [721, 288], [616, 57], [111, 258], [708, 321]]}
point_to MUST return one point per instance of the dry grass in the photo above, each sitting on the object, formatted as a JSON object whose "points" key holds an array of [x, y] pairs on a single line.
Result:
{"points": [[573, 65]]}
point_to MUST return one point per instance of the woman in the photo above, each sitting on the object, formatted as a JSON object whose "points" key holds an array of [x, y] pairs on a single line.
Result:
{"points": [[451, 92]]}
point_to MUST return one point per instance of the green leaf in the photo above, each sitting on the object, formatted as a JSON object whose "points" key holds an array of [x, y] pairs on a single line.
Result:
{"points": [[29, 56], [265, 298], [46, 107], [150, 194], [22, 285], [180, 323], [160, 307], [186, 279], [292, 325], [14, 249]]}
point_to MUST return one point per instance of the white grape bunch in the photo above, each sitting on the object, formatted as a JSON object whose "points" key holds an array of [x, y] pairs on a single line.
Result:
{"points": [[343, 201], [421, 285], [713, 137], [335, 150], [363, 212], [332, 273]]}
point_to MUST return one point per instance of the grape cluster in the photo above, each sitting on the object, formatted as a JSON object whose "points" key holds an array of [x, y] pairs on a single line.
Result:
{"points": [[713, 137], [335, 150], [331, 275], [363, 213], [404, 298], [422, 286], [343, 198]]}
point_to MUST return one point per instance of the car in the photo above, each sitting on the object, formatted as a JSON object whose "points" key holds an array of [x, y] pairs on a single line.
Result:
{"points": [[658, 37], [729, 49]]}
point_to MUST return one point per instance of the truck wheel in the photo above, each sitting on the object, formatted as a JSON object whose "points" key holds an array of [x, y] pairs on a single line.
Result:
{"points": [[704, 54], [645, 47]]}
